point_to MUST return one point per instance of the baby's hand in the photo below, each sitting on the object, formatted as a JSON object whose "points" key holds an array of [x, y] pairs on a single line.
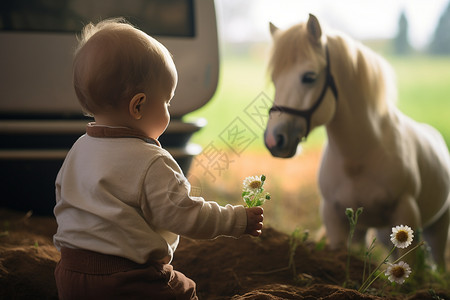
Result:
{"points": [[254, 220]]}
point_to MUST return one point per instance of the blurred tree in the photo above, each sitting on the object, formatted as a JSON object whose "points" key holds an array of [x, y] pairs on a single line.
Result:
{"points": [[441, 40], [401, 42]]}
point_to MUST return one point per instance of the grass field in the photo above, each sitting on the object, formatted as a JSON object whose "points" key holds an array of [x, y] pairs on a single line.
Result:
{"points": [[423, 84], [424, 90]]}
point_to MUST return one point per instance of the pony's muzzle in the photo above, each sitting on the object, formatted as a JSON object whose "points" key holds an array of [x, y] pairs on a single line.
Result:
{"points": [[280, 142]]}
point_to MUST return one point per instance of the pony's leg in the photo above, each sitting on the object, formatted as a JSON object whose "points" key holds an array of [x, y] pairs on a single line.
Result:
{"points": [[384, 236], [359, 242], [359, 236], [336, 225], [436, 236], [407, 213]]}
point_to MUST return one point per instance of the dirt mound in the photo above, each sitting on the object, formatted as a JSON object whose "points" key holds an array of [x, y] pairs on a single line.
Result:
{"points": [[27, 256], [257, 268], [224, 268], [227, 266]]}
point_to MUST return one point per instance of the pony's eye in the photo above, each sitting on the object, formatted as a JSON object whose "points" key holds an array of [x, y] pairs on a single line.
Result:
{"points": [[309, 77]]}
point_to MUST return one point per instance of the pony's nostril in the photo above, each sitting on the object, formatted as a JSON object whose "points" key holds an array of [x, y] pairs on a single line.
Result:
{"points": [[280, 141]]}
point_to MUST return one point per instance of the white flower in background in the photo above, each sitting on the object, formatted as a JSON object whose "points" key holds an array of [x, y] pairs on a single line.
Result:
{"points": [[402, 236], [398, 272]]}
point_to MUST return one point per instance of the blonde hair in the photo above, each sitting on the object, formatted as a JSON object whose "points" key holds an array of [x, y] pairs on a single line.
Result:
{"points": [[114, 61]]}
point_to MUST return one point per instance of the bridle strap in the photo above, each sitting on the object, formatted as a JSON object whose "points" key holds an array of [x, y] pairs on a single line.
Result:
{"points": [[307, 113]]}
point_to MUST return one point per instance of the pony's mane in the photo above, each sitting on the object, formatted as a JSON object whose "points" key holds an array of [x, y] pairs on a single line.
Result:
{"points": [[373, 74]]}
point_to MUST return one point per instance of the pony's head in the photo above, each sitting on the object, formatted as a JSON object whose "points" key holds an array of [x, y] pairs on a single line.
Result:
{"points": [[305, 92]]}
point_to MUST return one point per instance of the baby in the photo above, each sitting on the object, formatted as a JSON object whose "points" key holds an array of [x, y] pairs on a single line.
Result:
{"points": [[121, 200]]}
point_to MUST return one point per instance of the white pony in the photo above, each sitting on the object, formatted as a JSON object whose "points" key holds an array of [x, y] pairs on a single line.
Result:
{"points": [[377, 158]]}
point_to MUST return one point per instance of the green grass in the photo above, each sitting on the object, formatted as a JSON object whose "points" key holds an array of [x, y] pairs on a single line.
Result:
{"points": [[423, 84], [241, 80], [424, 90]]}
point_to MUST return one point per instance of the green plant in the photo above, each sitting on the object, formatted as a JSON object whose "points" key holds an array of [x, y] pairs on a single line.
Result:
{"points": [[296, 238], [368, 258], [5, 231], [353, 220], [320, 245]]}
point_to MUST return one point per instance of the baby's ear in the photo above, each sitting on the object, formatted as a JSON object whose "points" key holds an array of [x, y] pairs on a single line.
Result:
{"points": [[136, 105]]}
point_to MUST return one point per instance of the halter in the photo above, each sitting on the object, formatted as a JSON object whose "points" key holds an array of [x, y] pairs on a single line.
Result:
{"points": [[307, 113]]}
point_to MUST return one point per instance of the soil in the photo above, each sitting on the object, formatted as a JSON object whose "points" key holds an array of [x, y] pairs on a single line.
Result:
{"points": [[224, 268]]}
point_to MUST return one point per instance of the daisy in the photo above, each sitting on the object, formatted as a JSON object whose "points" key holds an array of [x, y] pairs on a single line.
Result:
{"points": [[398, 272], [402, 236], [253, 191], [253, 183]]}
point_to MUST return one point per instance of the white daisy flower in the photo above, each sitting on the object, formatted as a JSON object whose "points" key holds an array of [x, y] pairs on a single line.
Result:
{"points": [[253, 191], [402, 236], [398, 272], [252, 184]]}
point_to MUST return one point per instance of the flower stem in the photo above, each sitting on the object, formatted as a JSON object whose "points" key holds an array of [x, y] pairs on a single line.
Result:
{"points": [[347, 266], [366, 283], [353, 220], [370, 283], [411, 250]]}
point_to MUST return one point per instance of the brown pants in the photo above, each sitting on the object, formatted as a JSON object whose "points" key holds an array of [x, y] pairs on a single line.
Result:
{"points": [[84, 275]]}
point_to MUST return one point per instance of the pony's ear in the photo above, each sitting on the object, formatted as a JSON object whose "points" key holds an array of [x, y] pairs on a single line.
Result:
{"points": [[314, 30], [273, 28]]}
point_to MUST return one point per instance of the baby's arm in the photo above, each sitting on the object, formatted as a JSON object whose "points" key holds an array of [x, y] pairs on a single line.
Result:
{"points": [[167, 206], [254, 220]]}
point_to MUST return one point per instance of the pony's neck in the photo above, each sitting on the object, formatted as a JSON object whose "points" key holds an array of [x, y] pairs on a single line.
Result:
{"points": [[363, 108]]}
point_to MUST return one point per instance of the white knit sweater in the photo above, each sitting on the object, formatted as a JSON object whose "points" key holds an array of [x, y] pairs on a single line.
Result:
{"points": [[126, 197]]}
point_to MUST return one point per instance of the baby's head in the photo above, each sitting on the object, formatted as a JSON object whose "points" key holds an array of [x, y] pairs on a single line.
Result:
{"points": [[114, 63]]}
